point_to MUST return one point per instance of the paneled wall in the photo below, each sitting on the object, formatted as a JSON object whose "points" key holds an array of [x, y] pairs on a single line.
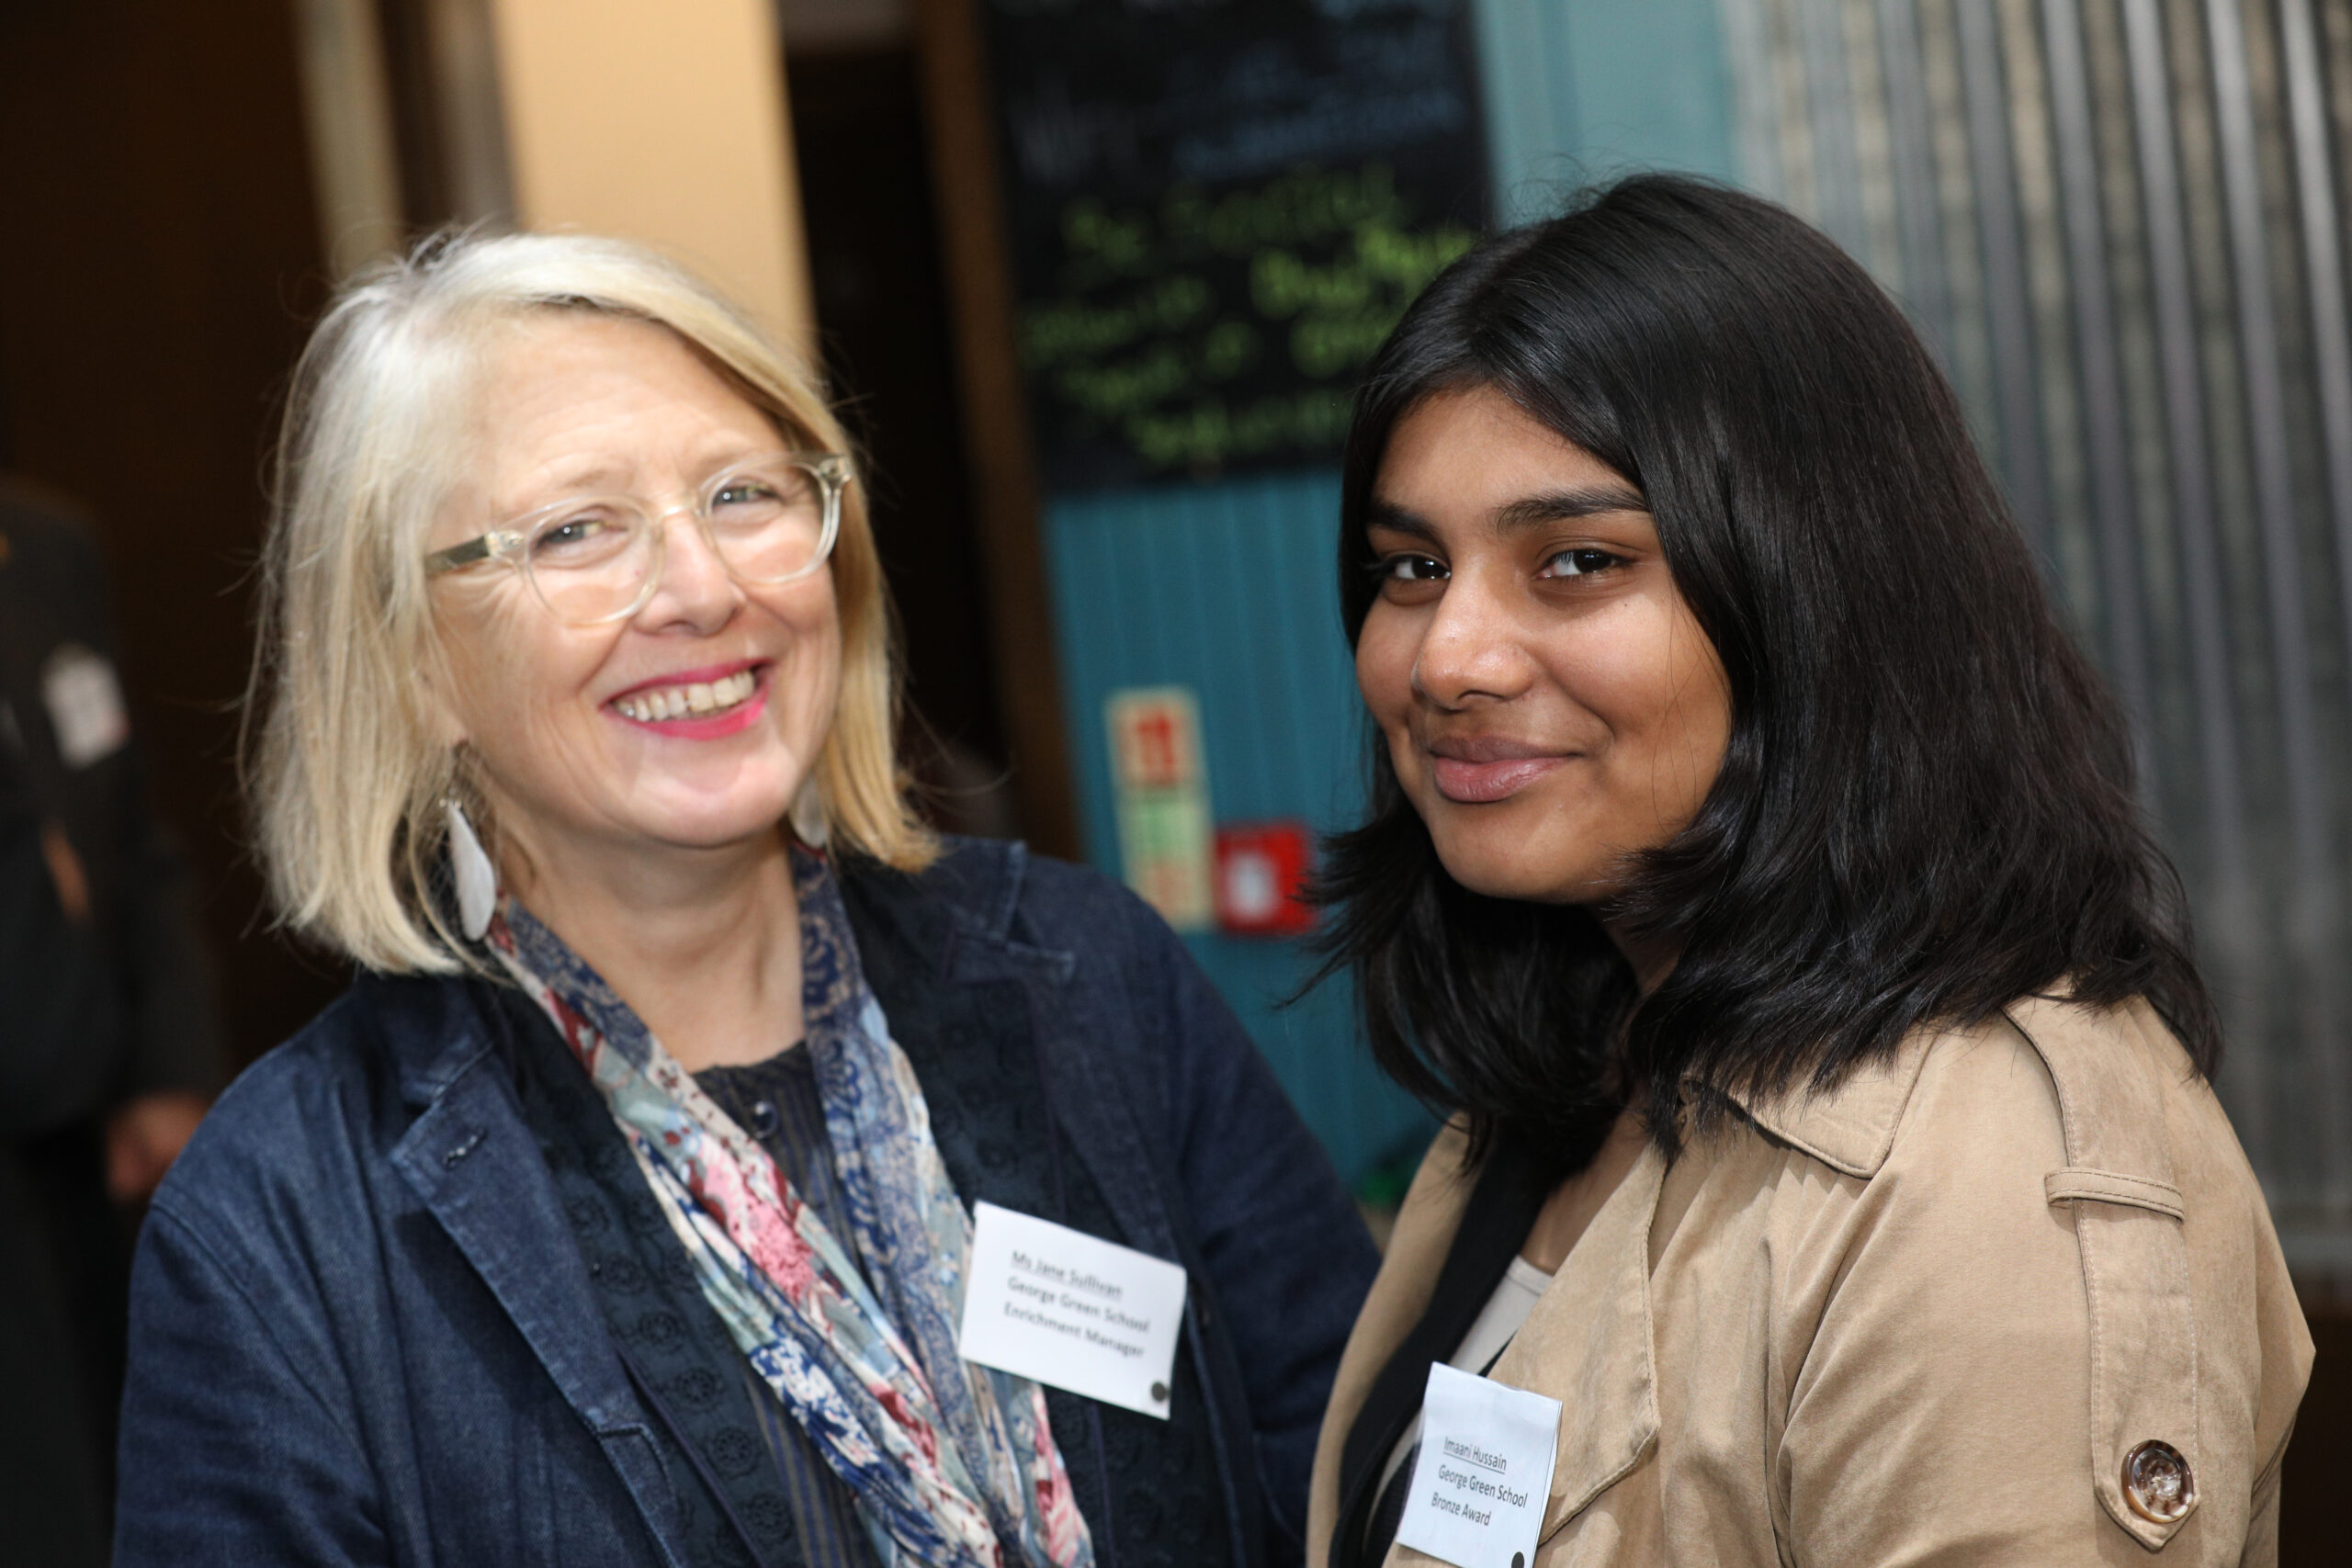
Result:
{"points": [[1581, 90], [2122, 221], [1229, 589]]}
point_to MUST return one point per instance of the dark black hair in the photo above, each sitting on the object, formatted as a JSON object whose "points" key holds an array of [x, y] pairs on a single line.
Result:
{"points": [[1926, 808]]}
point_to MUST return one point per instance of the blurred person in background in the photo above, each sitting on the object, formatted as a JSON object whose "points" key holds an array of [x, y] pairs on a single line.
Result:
{"points": [[1754, 865], [621, 1212], [107, 1044]]}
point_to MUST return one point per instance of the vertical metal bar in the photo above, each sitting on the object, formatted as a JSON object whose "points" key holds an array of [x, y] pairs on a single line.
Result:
{"points": [[1956, 209], [2309, 913], [2006, 307], [2112, 505], [1781, 66], [1748, 37], [2227, 930], [1911, 140], [1830, 92], [2324, 277], [1873, 144]]}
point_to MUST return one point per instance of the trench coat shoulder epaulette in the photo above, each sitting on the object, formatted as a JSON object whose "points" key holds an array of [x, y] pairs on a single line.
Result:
{"points": [[2169, 1220]]}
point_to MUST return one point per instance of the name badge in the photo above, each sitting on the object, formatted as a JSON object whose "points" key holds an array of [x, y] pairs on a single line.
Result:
{"points": [[1071, 1310], [85, 705], [1483, 1473]]}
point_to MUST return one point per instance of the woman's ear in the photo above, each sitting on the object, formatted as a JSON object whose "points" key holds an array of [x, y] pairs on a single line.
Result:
{"points": [[434, 686]]}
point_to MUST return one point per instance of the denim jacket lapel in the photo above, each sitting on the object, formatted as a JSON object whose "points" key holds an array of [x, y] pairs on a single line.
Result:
{"points": [[472, 1161], [1091, 1107]]}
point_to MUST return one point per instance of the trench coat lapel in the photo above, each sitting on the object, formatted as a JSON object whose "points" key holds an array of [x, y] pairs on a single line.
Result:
{"points": [[1589, 1345]]}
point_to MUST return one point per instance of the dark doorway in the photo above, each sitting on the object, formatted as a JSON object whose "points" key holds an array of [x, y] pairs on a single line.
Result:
{"points": [[162, 266], [874, 253]]}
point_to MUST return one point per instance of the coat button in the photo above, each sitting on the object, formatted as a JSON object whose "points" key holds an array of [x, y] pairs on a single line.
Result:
{"points": [[2157, 1484], [764, 1119]]}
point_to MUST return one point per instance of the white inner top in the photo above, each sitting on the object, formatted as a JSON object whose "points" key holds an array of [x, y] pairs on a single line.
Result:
{"points": [[1501, 1318]]}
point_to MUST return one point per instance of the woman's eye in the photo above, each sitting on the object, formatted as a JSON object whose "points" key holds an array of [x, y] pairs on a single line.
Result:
{"points": [[745, 492], [1581, 562], [582, 539], [1411, 568], [571, 532]]}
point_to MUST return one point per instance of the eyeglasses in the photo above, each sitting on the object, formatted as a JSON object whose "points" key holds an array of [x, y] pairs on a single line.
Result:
{"points": [[598, 558]]}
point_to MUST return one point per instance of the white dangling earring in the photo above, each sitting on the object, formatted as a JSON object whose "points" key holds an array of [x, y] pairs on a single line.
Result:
{"points": [[477, 879], [808, 823]]}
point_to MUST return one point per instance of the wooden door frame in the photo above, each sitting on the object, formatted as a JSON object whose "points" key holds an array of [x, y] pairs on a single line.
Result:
{"points": [[1006, 499]]}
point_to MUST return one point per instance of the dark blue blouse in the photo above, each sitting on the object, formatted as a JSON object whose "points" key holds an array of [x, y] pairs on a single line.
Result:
{"points": [[776, 1101]]}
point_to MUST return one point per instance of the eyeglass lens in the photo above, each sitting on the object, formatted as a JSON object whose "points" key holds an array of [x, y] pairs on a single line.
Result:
{"points": [[592, 560]]}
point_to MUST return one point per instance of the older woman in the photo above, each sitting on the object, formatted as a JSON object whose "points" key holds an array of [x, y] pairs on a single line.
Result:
{"points": [[623, 1210]]}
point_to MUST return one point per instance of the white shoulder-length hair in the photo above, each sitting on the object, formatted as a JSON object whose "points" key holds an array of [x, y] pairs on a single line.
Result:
{"points": [[346, 780]]}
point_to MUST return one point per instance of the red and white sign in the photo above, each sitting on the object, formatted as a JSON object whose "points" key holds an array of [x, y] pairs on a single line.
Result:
{"points": [[1156, 738], [1162, 795], [1260, 867]]}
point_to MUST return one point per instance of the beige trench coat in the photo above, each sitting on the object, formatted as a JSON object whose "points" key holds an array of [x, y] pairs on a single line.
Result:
{"points": [[1922, 1319]]}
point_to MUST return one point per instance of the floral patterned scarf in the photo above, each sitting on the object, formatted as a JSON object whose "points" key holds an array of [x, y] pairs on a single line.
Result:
{"points": [[952, 1463]]}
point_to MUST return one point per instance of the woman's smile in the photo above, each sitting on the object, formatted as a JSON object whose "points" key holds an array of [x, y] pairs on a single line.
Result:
{"points": [[698, 704], [1479, 769]]}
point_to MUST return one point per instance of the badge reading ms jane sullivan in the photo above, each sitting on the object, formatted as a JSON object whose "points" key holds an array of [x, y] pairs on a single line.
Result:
{"points": [[1071, 1310], [1484, 1472]]}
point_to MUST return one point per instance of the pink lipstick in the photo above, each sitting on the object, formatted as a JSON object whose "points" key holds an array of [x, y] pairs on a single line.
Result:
{"points": [[1481, 770], [697, 704]]}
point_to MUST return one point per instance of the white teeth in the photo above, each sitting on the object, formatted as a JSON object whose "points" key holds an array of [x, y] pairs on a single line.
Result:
{"points": [[695, 698]]}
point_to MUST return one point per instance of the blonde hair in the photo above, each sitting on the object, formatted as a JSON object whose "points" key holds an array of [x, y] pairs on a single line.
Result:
{"points": [[346, 777]]}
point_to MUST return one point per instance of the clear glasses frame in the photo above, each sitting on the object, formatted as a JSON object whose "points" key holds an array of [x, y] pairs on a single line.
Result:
{"points": [[516, 544]]}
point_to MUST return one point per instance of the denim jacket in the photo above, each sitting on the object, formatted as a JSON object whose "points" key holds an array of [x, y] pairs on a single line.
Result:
{"points": [[362, 1332]]}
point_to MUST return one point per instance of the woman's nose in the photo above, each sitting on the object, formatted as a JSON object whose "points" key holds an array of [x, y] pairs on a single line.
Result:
{"points": [[696, 590], [1471, 649]]}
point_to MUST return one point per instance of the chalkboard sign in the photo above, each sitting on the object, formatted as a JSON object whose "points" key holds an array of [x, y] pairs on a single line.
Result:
{"points": [[1218, 208]]}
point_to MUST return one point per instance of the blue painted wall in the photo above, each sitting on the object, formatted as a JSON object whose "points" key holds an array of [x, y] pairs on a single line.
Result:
{"points": [[1228, 588], [1581, 90]]}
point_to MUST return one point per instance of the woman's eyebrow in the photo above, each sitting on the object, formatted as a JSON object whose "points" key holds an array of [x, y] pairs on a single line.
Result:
{"points": [[1397, 519], [1563, 505], [569, 481]]}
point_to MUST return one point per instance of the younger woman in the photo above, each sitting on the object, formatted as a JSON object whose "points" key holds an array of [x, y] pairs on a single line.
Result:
{"points": [[1752, 865]]}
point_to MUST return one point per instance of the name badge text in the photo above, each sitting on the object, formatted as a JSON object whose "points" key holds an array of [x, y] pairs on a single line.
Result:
{"points": [[1071, 1310], [1483, 1473]]}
